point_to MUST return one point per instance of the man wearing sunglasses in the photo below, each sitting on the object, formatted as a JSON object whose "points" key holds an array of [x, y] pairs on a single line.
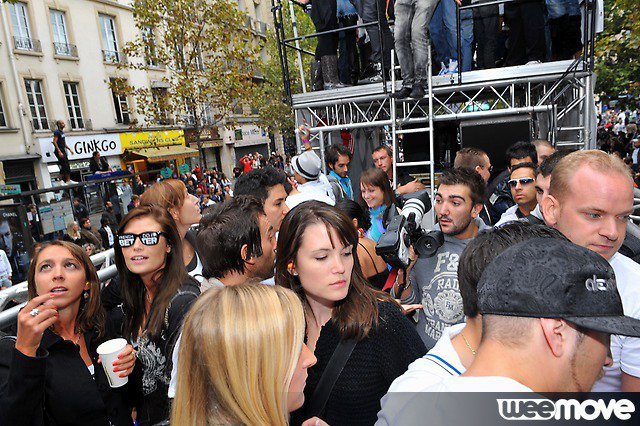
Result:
{"points": [[523, 191]]}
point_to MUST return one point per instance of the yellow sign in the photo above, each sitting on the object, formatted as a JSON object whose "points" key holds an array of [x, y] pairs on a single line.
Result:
{"points": [[139, 140]]}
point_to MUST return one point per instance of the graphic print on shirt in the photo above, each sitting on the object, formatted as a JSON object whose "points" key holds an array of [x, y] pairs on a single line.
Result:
{"points": [[441, 299], [154, 365]]}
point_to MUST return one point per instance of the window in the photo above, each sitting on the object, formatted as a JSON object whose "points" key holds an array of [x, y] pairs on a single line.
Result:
{"points": [[21, 31], [60, 37], [36, 104], [73, 105], [120, 102], [160, 100], [149, 46], [109, 41], [3, 119]]}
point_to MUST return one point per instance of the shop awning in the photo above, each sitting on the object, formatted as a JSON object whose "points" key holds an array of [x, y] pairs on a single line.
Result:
{"points": [[165, 153]]}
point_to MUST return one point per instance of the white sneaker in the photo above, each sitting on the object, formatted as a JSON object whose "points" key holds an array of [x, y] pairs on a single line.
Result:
{"points": [[533, 62], [453, 66], [71, 182]]}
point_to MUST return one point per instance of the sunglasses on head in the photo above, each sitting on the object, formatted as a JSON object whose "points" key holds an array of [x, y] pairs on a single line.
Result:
{"points": [[523, 181], [147, 238]]}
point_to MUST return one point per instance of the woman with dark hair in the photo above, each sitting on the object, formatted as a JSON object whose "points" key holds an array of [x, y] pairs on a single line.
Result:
{"points": [[48, 371], [316, 258], [376, 196], [157, 293], [172, 195], [374, 268]]}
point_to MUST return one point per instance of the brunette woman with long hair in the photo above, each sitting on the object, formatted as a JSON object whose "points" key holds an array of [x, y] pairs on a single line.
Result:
{"points": [[376, 196], [172, 195], [317, 259], [243, 360], [157, 293], [49, 372]]}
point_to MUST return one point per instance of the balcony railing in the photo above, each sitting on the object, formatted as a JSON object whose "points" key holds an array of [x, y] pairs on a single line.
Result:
{"points": [[65, 49], [113, 57], [27, 44], [260, 28]]}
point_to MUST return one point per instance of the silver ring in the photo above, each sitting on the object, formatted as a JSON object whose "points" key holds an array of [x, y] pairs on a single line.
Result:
{"points": [[34, 312]]}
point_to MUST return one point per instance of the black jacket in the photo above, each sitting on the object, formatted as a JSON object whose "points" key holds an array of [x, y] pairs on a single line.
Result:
{"points": [[105, 237], [56, 388]]}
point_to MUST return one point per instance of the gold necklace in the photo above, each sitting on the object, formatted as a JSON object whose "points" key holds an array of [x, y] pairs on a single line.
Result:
{"points": [[474, 352]]}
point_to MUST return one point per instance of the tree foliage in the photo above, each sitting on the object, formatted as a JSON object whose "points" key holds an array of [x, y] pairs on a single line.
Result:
{"points": [[209, 55], [617, 50], [270, 98]]}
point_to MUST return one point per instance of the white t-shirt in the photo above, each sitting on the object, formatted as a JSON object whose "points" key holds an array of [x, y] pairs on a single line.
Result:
{"points": [[418, 409], [508, 216], [440, 363], [625, 351]]}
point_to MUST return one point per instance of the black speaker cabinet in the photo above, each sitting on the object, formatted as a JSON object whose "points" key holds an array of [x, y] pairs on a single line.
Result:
{"points": [[494, 136]]}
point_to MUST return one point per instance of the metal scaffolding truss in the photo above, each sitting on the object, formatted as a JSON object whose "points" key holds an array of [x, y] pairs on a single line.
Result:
{"points": [[560, 90]]}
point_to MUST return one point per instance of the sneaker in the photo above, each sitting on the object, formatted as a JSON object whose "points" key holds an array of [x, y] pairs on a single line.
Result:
{"points": [[71, 182], [533, 62], [453, 66], [402, 93], [417, 92], [444, 70]]}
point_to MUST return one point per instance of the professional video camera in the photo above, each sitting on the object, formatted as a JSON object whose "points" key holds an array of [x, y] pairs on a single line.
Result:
{"points": [[404, 229]]}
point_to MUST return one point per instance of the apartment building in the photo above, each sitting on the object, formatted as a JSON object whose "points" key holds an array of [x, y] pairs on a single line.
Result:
{"points": [[57, 60]]}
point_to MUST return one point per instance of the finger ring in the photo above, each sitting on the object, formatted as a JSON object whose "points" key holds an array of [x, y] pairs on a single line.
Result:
{"points": [[34, 312]]}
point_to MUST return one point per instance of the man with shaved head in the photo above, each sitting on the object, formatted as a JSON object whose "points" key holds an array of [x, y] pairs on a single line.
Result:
{"points": [[590, 199]]}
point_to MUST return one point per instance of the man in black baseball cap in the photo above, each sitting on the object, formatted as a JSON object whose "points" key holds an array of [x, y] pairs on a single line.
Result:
{"points": [[549, 307]]}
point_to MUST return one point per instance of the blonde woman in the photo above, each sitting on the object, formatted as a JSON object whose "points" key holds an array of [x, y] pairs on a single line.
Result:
{"points": [[242, 358], [73, 234]]}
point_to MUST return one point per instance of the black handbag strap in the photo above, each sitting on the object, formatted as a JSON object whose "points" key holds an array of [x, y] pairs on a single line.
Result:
{"points": [[330, 376]]}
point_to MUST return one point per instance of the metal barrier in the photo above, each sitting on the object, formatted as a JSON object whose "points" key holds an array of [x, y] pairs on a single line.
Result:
{"points": [[18, 293]]}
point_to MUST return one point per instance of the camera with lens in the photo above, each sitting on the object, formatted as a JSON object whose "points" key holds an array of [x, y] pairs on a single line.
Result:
{"points": [[404, 229]]}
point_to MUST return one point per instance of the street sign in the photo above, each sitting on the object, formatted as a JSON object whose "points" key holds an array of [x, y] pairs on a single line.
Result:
{"points": [[10, 189], [166, 173], [184, 168]]}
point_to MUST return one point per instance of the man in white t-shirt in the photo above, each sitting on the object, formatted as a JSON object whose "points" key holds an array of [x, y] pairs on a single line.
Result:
{"points": [[590, 200], [456, 349], [551, 313], [238, 244]]}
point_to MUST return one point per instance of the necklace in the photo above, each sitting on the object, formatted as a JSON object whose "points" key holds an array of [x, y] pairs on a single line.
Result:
{"points": [[473, 351]]}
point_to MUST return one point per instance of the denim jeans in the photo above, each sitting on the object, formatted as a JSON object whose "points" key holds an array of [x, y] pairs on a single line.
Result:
{"points": [[411, 42], [380, 52], [558, 8], [443, 30]]}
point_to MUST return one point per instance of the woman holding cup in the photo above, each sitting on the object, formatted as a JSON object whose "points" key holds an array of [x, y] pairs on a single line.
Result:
{"points": [[48, 371], [157, 294]]}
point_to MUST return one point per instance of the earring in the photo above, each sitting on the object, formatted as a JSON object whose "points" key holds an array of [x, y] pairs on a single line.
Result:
{"points": [[85, 292], [360, 233], [290, 268]]}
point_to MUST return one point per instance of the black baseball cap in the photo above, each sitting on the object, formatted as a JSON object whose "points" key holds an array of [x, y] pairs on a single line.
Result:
{"points": [[554, 278]]}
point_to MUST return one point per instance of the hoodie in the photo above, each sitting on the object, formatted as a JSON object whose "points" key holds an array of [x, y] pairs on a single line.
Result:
{"points": [[434, 283]]}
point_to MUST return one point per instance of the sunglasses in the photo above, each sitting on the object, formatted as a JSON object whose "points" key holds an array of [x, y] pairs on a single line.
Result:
{"points": [[523, 181], [146, 238]]}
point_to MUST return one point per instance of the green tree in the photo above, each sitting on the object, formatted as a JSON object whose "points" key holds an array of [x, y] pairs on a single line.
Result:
{"points": [[269, 98], [210, 57], [617, 50]]}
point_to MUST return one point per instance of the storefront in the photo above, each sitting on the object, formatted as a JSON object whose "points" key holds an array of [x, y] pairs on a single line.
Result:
{"points": [[19, 171], [152, 151], [82, 149], [250, 139]]}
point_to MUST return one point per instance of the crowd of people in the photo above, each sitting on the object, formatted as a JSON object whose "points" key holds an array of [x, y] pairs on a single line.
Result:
{"points": [[271, 306], [513, 33], [618, 135]]}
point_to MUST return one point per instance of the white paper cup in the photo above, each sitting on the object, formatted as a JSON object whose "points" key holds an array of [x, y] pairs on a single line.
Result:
{"points": [[109, 352]]}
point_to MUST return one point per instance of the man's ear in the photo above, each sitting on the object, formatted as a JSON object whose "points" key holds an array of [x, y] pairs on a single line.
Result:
{"points": [[556, 333], [244, 252], [550, 210], [476, 209]]}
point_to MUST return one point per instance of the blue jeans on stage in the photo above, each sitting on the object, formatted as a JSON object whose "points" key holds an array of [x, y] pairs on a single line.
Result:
{"points": [[444, 34], [558, 8], [412, 20]]}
